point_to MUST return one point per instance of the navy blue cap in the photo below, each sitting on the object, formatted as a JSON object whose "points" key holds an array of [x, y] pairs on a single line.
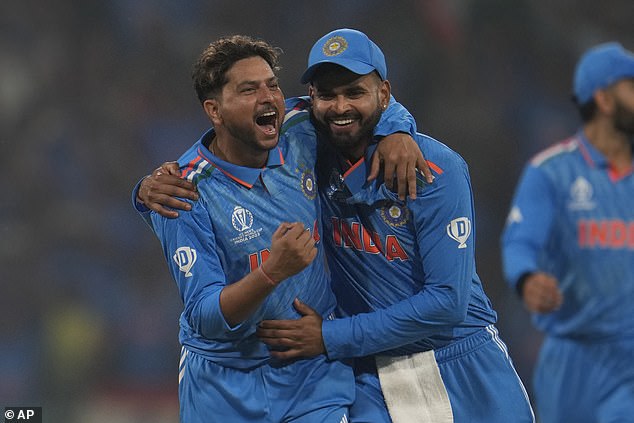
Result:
{"points": [[600, 67], [349, 48]]}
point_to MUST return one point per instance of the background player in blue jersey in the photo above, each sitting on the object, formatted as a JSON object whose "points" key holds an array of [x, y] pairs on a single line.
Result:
{"points": [[568, 249], [217, 251]]}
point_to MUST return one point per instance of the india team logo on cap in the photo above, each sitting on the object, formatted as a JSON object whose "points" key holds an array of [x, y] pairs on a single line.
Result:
{"points": [[395, 215], [335, 45]]}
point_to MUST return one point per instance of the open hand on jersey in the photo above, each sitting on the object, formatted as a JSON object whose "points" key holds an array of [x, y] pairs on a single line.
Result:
{"points": [[291, 339], [161, 188], [401, 159], [292, 249], [541, 293]]}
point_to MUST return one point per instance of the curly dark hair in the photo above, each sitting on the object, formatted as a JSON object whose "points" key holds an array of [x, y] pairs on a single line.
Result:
{"points": [[209, 74]]}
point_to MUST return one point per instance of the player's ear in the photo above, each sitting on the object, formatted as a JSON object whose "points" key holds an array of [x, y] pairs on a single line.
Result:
{"points": [[604, 99], [384, 93], [311, 92], [212, 110]]}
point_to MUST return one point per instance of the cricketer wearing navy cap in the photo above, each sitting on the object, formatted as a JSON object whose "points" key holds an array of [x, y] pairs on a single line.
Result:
{"points": [[349, 48], [600, 67]]}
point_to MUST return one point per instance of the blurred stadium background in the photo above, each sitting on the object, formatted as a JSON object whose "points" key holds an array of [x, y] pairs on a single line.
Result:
{"points": [[93, 95]]}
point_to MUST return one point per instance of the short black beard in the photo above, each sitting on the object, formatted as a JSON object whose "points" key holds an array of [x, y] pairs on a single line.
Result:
{"points": [[344, 146], [624, 120]]}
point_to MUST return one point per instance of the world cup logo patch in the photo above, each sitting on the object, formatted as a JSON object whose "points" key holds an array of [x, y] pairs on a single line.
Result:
{"points": [[335, 45], [309, 187], [395, 215], [241, 219], [581, 193]]}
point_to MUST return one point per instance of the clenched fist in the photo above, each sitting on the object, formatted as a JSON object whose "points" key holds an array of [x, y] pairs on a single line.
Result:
{"points": [[292, 249]]}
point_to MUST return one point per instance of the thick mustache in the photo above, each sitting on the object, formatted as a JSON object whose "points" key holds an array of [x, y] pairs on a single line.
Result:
{"points": [[342, 116]]}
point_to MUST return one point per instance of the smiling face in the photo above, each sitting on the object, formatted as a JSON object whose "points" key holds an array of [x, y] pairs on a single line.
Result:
{"points": [[248, 113], [347, 107]]}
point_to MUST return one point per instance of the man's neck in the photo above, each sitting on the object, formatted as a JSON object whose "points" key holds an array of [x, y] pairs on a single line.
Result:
{"points": [[353, 157], [222, 148], [354, 154]]}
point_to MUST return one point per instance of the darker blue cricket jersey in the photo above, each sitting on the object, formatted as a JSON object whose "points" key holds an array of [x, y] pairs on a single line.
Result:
{"points": [[404, 273], [573, 217]]}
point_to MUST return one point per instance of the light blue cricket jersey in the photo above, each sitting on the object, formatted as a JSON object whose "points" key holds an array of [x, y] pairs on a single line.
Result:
{"points": [[404, 274], [573, 217], [227, 235]]}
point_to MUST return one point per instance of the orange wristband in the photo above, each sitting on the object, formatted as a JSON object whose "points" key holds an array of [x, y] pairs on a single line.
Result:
{"points": [[267, 277]]}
